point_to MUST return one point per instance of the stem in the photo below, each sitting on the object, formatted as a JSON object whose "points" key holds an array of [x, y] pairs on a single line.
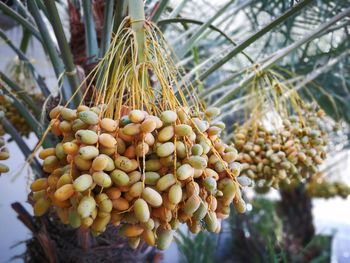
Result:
{"points": [[84, 238], [195, 54], [137, 14], [178, 9], [42, 7], [161, 7], [66, 53], [90, 31], [107, 27], [23, 11], [48, 43], [120, 13], [106, 37], [25, 40], [20, 19]]}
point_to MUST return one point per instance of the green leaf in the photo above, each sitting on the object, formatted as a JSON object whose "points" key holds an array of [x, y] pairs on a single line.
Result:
{"points": [[333, 99], [195, 248], [198, 33], [193, 21], [208, 91], [280, 54], [252, 38]]}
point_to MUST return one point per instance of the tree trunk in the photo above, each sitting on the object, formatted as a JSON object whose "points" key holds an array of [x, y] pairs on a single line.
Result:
{"points": [[54, 242], [295, 210]]}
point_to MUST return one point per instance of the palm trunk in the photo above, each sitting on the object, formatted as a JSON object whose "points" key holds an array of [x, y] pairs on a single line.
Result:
{"points": [[54, 242], [295, 210]]}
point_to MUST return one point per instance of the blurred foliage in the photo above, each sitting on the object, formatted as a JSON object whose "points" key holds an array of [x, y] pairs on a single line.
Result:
{"points": [[320, 66], [253, 237], [336, 91], [258, 237], [196, 248], [259, 231]]}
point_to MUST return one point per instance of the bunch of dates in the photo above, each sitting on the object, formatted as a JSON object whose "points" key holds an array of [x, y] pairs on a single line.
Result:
{"points": [[291, 152], [146, 172]]}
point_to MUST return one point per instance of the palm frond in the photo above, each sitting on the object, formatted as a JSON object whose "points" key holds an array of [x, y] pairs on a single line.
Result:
{"points": [[39, 79], [22, 94], [70, 69], [20, 19], [284, 52], [251, 39], [197, 34], [22, 145]]}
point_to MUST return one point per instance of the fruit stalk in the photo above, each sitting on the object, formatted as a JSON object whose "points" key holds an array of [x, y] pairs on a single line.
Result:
{"points": [[137, 15]]}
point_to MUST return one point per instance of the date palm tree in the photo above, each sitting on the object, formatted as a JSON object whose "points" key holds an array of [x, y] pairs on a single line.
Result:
{"points": [[305, 41]]}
